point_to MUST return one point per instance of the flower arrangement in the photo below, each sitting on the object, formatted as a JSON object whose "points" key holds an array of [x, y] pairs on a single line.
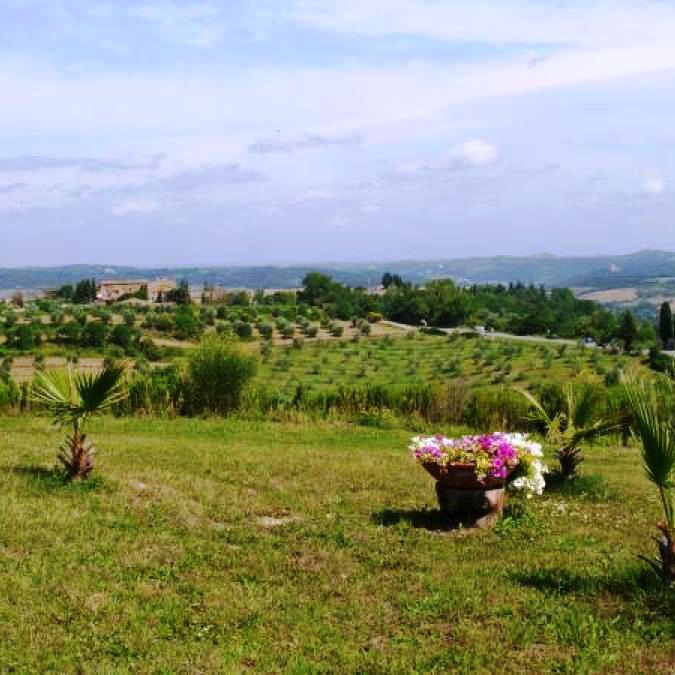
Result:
{"points": [[511, 459]]}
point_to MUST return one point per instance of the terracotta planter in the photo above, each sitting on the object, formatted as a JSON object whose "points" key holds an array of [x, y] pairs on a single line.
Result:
{"points": [[465, 500], [470, 508], [463, 477]]}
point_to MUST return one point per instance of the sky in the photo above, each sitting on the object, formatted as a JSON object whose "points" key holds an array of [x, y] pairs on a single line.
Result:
{"points": [[220, 132]]}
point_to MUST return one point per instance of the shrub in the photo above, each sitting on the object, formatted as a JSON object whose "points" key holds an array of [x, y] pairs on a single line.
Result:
{"points": [[288, 331], [94, 334], [243, 330], [266, 349], [217, 374], [266, 330], [364, 327], [123, 336]]}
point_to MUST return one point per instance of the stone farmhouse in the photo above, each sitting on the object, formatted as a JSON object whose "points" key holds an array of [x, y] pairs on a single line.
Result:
{"points": [[110, 290]]}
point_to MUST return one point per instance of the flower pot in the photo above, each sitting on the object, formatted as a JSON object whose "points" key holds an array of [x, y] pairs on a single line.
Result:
{"points": [[465, 500], [470, 508], [462, 477]]}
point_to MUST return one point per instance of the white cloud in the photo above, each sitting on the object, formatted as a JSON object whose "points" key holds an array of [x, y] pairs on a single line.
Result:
{"points": [[195, 24], [597, 23], [134, 206], [474, 153], [250, 103], [470, 154], [654, 185]]}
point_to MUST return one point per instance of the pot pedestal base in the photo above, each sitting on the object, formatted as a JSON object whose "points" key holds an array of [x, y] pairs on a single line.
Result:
{"points": [[469, 507]]}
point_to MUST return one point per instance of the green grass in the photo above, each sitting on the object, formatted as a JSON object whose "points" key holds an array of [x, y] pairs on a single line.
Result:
{"points": [[228, 546]]}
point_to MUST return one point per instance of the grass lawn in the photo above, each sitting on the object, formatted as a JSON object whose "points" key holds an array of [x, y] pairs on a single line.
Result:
{"points": [[229, 546]]}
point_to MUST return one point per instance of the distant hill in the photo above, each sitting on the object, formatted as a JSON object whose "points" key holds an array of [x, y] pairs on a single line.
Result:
{"points": [[599, 272]]}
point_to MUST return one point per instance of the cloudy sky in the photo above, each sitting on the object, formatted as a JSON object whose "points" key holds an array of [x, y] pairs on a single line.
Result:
{"points": [[272, 131]]}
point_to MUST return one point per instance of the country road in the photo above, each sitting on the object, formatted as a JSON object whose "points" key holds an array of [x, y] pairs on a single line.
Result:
{"points": [[492, 335]]}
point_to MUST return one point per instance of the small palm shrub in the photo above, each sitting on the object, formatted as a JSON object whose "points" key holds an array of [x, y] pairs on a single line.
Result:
{"points": [[570, 417], [652, 410], [72, 398]]}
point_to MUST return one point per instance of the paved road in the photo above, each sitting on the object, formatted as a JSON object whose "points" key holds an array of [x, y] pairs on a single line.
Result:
{"points": [[493, 335]]}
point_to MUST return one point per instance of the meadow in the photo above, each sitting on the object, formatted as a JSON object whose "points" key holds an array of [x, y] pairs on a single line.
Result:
{"points": [[232, 546]]}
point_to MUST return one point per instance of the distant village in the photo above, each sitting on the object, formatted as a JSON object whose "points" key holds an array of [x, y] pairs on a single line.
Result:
{"points": [[157, 291]]}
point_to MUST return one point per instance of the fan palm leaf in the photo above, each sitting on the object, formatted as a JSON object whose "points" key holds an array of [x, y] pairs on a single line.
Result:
{"points": [[653, 424], [70, 398]]}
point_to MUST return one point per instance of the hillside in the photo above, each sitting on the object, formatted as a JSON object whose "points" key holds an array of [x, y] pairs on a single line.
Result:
{"points": [[599, 272]]}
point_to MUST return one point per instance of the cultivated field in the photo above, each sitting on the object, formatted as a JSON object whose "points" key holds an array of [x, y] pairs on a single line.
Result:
{"points": [[425, 358]]}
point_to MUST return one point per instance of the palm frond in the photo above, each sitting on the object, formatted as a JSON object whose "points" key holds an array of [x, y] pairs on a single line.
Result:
{"points": [[69, 398], [653, 425], [54, 392], [656, 433], [599, 428], [98, 392], [538, 411], [582, 405]]}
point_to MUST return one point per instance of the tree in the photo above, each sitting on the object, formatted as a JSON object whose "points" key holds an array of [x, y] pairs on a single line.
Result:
{"points": [[389, 279], [85, 292], [65, 292], [124, 336], [72, 399], [181, 294], [94, 334], [23, 337], [627, 331], [652, 409], [666, 325], [317, 288], [186, 324]]}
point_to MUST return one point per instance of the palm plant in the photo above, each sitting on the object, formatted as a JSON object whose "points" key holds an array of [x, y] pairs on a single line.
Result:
{"points": [[652, 408], [571, 420], [71, 398]]}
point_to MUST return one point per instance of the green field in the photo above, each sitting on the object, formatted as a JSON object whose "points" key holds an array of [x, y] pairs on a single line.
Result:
{"points": [[228, 546], [430, 358]]}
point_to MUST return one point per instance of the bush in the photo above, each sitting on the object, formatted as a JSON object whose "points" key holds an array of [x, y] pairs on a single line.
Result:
{"points": [[94, 334], [288, 331], [243, 330], [266, 330], [123, 336], [217, 374], [364, 327]]}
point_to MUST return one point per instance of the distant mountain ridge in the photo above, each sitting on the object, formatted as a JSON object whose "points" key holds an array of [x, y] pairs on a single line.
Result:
{"points": [[589, 272]]}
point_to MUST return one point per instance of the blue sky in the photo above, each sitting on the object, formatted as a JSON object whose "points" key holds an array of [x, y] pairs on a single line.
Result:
{"points": [[222, 132]]}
